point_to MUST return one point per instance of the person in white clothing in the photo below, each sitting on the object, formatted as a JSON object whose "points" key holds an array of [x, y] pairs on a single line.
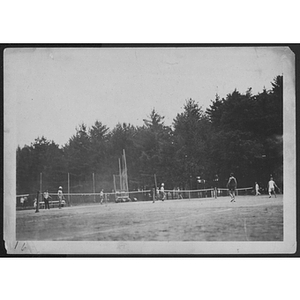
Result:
{"points": [[257, 193], [46, 199], [60, 197], [162, 191], [22, 201], [271, 187], [101, 196]]}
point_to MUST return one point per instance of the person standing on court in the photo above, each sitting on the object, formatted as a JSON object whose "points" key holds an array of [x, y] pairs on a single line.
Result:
{"points": [[162, 191], [60, 196], [101, 196], [22, 201], [232, 185], [157, 193], [257, 193], [271, 187], [46, 199], [216, 185], [34, 203]]}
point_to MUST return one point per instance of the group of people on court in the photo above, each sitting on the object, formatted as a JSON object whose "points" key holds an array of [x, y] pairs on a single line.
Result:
{"points": [[271, 188], [232, 185], [47, 197], [160, 192]]}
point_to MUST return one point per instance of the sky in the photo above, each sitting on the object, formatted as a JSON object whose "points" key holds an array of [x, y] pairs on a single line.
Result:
{"points": [[54, 90]]}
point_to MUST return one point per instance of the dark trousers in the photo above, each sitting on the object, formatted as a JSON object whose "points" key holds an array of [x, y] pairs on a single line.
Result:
{"points": [[46, 203]]}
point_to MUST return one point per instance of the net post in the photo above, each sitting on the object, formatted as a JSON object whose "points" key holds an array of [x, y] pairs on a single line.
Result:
{"points": [[37, 201], [153, 195], [189, 195]]}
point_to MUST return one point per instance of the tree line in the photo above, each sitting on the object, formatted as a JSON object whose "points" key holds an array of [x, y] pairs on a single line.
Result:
{"points": [[241, 133]]}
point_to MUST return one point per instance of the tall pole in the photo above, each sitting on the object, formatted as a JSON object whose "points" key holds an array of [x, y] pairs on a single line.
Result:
{"points": [[94, 187], [155, 181], [41, 182], [114, 177], [155, 190], [69, 200], [120, 173], [125, 165]]}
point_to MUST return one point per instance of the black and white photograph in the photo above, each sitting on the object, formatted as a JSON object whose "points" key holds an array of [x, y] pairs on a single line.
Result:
{"points": [[149, 149]]}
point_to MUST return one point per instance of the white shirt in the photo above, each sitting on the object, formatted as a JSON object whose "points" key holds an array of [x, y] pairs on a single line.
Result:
{"points": [[60, 194], [271, 184]]}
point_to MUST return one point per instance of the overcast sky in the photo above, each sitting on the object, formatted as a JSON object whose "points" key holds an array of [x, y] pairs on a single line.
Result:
{"points": [[56, 89]]}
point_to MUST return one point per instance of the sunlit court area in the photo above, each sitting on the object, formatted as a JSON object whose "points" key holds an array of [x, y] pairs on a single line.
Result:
{"points": [[250, 218]]}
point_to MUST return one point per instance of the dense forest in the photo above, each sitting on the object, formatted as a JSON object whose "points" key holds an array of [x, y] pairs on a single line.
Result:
{"points": [[241, 133]]}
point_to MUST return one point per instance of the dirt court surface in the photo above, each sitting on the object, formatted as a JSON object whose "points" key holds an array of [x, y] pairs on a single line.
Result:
{"points": [[250, 218]]}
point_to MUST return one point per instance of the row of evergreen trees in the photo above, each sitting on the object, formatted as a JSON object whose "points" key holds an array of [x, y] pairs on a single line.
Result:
{"points": [[241, 133]]}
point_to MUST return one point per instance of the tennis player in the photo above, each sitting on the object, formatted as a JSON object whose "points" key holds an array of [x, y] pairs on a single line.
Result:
{"points": [[162, 191], [271, 187], [101, 196], [60, 196], [216, 185], [157, 193], [257, 193], [46, 199], [232, 185], [22, 201]]}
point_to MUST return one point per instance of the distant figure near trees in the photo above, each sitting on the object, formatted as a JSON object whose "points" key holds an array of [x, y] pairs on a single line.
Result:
{"points": [[232, 185]]}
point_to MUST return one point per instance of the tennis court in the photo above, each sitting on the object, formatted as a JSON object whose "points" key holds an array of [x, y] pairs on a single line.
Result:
{"points": [[250, 218]]}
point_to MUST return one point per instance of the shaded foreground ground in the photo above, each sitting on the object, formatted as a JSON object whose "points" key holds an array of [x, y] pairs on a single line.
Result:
{"points": [[250, 218]]}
